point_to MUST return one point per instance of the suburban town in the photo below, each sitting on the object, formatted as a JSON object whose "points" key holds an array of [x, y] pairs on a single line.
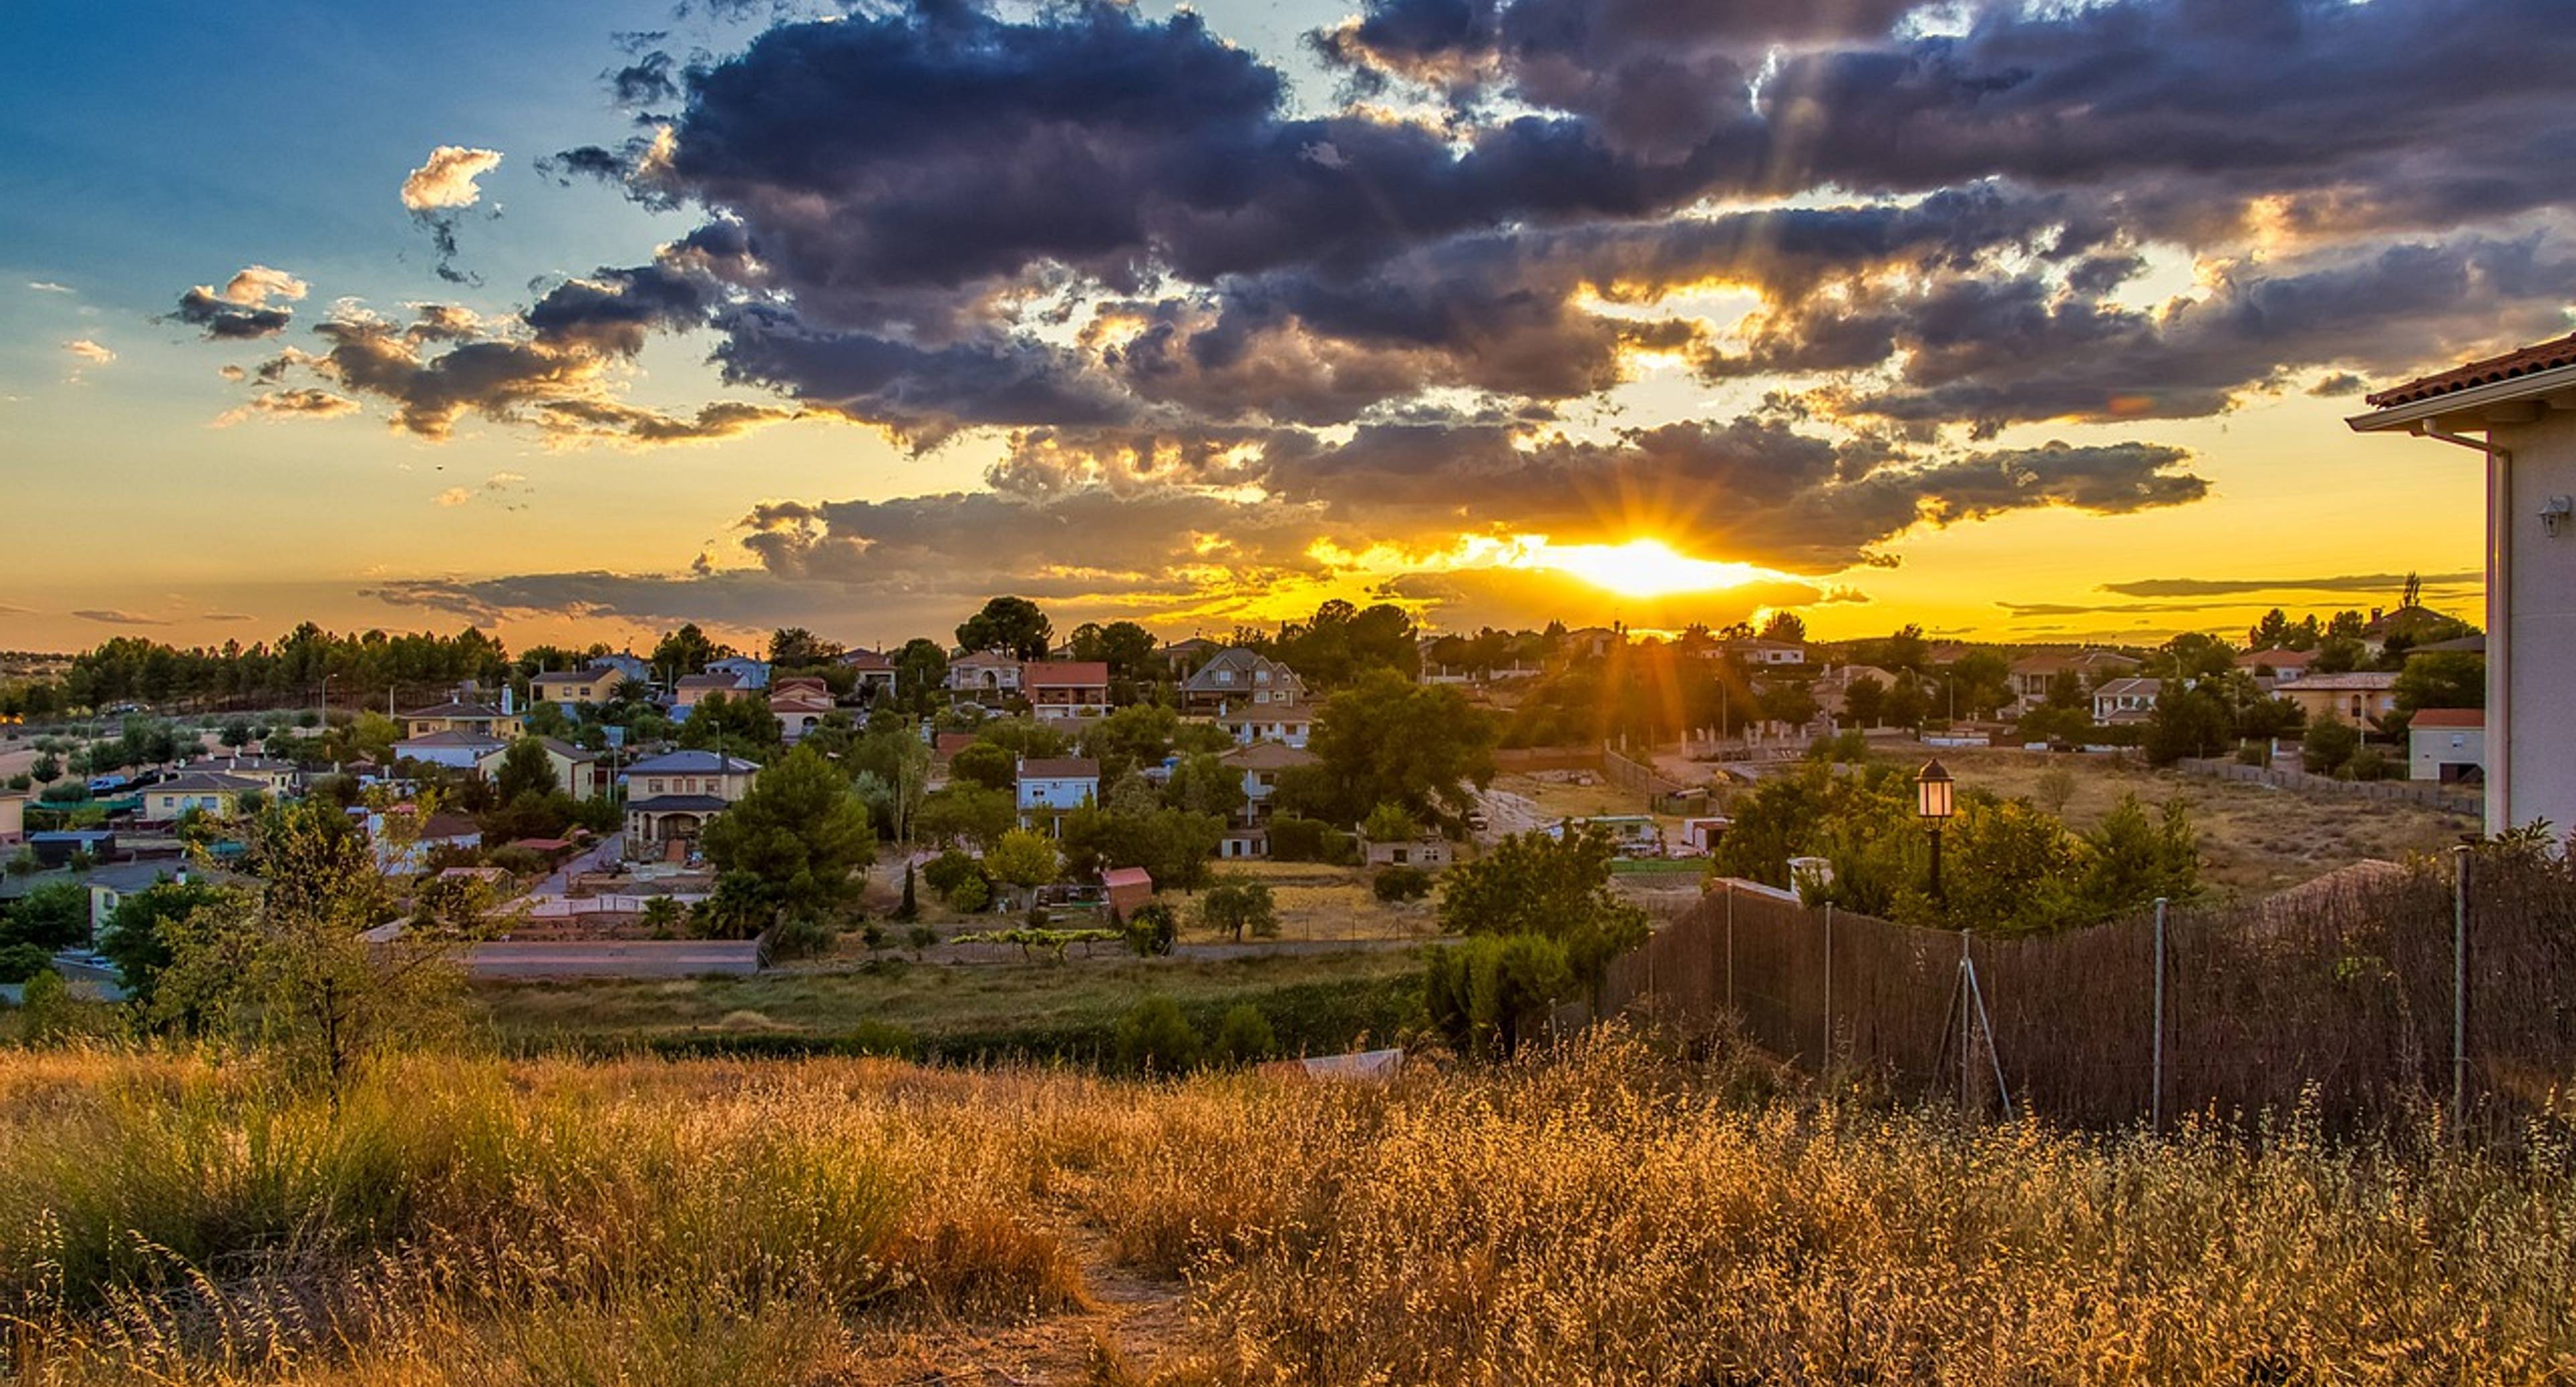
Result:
{"points": [[1349, 691]]}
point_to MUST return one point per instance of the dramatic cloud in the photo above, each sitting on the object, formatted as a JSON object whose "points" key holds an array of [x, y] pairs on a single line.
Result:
{"points": [[447, 179], [241, 310], [89, 351]]}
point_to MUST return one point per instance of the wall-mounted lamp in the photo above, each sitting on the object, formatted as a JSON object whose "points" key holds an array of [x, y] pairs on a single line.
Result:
{"points": [[2556, 514]]}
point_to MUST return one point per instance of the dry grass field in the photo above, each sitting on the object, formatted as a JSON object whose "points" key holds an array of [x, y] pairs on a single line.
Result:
{"points": [[1610, 1216], [2254, 839]]}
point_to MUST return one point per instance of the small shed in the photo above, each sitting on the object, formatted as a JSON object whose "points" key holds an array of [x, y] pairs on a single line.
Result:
{"points": [[1128, 887]]}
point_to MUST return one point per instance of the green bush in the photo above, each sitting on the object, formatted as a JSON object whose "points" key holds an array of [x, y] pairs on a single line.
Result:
{"points": [[1401, 883], [1152, 930], [1155, 1038], [19, 962], [1294, 838], [1244, 1037]]}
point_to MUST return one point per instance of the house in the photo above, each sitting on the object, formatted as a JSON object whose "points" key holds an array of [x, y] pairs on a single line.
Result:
{"points": [[874, 670], [569, 689], [1128, 888], [1059, 690], [801, 702], [2032, 674], [457, 750], [671, 798], [1594, 641], [747, 672], [276, 776], [2357, 697], [111, 884], [13, 816], [1235, 678], [208, 792], [1759, 653], [2283, 666], [2126, 699], [2446, 744], [465, 713], [1424, 850], [689, 690], [1261, 764], [1289, 725], [986, 676], [1832, 687], [2520, 403], [1053, 786], [579, 773]]}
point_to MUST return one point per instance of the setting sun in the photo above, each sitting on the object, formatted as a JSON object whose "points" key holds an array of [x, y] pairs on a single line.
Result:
{"points": [[1641, 567]]}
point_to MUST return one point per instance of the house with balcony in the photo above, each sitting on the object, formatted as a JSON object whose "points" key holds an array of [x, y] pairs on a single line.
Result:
{"points": [[2357, 697], [467, 712], [671, 798], [1261, 764], [2127, 699], [984, 676], [873, 671], [1239, 678], [2031, 675], [1289, 725], [1066, 690]]}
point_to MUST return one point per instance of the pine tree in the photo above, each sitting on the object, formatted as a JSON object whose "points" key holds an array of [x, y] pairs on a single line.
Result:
{"points": [[911, 908]]}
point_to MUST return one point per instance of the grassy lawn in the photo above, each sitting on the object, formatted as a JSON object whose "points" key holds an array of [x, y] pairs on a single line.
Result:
{"points": [[1315, 1003], [2254, 839], [1320, 902]]}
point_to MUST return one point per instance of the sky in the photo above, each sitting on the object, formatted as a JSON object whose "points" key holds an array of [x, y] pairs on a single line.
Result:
{"points": [[2017, 322]]}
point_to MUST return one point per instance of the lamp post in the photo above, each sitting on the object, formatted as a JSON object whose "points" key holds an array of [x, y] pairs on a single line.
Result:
{"points": [[325, 709], [1932, 804]]}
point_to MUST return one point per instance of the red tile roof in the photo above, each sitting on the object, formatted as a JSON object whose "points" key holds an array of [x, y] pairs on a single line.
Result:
{"points": [[2545, 356], [2448, 717], [1065, 674]]}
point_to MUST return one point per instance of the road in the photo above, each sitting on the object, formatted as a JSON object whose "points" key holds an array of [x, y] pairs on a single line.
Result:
{"points": [[618, 958]]}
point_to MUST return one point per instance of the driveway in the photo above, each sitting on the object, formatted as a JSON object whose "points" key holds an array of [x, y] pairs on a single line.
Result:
{"points": [[559, 884]]}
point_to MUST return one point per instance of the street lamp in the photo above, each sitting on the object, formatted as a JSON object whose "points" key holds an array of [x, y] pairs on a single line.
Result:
{"points": [[1932, 804]]}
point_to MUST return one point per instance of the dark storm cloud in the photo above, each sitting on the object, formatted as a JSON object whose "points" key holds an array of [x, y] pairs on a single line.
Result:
{"points": [[227, 321], [920, 393], [1993, 351]]}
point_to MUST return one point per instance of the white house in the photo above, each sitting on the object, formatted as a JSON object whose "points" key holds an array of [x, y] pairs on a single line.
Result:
{"points": [[2518, 411], [1261, 764], [2126, 699], [747, 672], [1054, 786], [456, 749], [985, 675], [2446, 744], [1275, 723]]}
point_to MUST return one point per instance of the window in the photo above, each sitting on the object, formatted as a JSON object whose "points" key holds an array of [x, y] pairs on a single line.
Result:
{"points": [[657, 785]]}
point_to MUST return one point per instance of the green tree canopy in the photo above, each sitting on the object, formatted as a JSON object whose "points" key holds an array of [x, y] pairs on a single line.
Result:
{"points": [[1011, 624], [1388, 740], [800, 833]]}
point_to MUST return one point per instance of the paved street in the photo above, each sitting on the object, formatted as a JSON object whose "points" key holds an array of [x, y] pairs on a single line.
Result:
{"points": [[620, 958]]}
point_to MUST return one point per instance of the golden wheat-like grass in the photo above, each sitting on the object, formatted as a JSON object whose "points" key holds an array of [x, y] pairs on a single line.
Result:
{"points": [[1608, 1215]]}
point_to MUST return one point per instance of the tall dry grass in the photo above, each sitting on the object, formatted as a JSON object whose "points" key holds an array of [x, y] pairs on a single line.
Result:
{"points": [[1608, 1215]]}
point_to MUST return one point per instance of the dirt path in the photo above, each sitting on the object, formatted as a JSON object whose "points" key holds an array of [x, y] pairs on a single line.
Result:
{"points": [[1136, 1323]]}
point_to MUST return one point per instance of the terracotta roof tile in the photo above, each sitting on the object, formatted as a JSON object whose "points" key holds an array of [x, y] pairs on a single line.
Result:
{"points": [[2544, 356]]}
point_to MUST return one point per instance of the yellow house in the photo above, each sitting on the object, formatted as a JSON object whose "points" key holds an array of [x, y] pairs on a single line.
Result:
{"points": [[2356, 698], [460, 715], [569, 689], [672, 797], [210, 791], [275, 776]]}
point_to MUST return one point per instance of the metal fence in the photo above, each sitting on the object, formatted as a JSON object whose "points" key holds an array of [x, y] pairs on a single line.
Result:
{"points": [[2457, 798], [2368, 988]]}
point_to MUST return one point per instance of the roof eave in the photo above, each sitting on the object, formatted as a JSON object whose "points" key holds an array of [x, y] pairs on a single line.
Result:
{"points": [[2414, 414]]}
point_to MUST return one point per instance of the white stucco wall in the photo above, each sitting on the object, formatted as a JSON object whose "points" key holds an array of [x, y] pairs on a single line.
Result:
{"points": [[2531, 683]]}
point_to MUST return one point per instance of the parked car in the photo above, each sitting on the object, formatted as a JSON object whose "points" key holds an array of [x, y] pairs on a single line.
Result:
{"points": [[102, 784]]}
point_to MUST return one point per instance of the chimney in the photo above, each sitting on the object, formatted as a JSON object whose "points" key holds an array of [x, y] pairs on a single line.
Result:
{"points": [[508, 692]]}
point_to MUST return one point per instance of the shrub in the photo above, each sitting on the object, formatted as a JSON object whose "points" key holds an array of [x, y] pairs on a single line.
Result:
{"points": [[1152, 930], [921, 937], [1244, 1037], [19, 962], [949, 872], [1294, 838], [1155, 1038], [1401, 883], [1238, 903]]}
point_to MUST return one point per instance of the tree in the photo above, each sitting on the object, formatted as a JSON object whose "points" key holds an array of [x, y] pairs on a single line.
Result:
{"points": [[685, 651], [738, 724], [919, 667], [909, 909], [1023, 859], [966, 813], [138, 937], [1153, 930], [47, 770], [1389, 823], [1480, 992], [985, 764], [1131, 738], [1387, 740], [1203, 784], [2187, 722], [1864, 702], [1784, 626], [798, 832], [1127, 648], [1237, 903], [2329, 745], [236, 734], [526, 770], [1010, 624], [293, 966], [1172, 845], [1555, 887], [2442, 679], [794, 647], [53, 916]]}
